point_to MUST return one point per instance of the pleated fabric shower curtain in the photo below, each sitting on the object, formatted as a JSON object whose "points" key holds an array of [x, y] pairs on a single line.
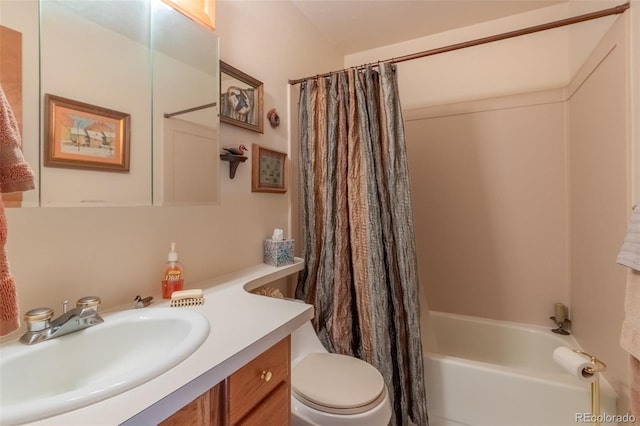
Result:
{"points": [[359, 248]]}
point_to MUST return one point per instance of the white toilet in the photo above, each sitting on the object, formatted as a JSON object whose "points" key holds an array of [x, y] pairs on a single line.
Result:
{"points": [[333, 390]]}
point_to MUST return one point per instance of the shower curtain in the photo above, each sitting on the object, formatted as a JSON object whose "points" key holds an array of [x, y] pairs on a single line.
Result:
{"points": [[360, 261]]}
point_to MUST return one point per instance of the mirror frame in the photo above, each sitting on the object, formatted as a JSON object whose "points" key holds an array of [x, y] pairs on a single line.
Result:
{"points": [[258, 105]]}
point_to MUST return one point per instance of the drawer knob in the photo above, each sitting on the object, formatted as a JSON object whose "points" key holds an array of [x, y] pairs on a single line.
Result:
{"points": [[266, 376]]}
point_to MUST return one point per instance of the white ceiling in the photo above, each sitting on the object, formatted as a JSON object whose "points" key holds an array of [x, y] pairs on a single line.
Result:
{"points": [[358, 25]]}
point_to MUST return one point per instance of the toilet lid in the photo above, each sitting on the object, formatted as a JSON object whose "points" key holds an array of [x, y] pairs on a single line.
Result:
{"points": [[337, 384]]}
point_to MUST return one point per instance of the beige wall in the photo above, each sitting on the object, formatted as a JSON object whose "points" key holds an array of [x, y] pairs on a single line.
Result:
{"points": [[600, 195], [489, 193], [116, 253]]}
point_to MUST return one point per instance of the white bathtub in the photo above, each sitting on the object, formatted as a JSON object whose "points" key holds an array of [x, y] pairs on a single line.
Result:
{"points": [[496, 373]]}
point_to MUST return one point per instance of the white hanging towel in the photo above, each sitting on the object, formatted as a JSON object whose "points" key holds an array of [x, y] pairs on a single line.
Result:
{"points": [[630, 252]]}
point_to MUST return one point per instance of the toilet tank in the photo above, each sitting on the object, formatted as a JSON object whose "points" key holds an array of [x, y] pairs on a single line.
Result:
{"points": [[304, 341]]}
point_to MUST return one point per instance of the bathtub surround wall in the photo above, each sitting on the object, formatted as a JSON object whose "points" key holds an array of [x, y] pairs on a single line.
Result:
{"points": [[600, 200], [116, 252], [491, 207]]}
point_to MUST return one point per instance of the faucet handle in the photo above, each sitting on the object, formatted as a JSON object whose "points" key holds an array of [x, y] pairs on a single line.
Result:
{"points": [[88, 302], [38, 319]]}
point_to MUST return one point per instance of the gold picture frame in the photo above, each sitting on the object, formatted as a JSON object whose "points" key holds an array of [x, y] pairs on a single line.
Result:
{"points": [[83, 136], [241, 99], [268, 170]]}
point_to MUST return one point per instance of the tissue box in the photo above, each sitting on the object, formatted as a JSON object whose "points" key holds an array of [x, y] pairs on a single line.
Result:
{"points": [[278, 253]]}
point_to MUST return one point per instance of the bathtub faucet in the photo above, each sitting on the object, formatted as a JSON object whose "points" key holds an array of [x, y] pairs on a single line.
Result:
{"points": [[560, 318]]}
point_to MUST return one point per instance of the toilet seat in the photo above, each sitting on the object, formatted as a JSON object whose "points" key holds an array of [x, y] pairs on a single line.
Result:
{"points": [[337, 384]]}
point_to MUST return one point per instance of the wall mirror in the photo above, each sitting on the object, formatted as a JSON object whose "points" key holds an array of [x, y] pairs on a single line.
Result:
{"points": [[99, 53], [185, 109], [144, 59], [241, 100]]}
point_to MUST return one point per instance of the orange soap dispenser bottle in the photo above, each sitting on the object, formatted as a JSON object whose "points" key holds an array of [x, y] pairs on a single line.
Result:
{"points": [[173, 274]]}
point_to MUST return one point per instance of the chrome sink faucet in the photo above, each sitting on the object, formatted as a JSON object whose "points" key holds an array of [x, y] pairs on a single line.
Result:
{"points": [[40, 327]]}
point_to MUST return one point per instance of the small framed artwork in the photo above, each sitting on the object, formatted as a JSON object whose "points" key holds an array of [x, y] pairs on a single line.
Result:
{"points": [[268, 170], [84, 136], [240, 99]]}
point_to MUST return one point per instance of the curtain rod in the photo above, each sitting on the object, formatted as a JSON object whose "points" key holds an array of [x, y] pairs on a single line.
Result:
{"points": [[489, 39], [184, 111]]}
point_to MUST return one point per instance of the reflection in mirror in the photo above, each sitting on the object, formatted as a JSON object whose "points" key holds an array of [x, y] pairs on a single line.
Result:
{"points": [[11, 80], [144, 59], [98, 52], [185, 112], [201, 11]]}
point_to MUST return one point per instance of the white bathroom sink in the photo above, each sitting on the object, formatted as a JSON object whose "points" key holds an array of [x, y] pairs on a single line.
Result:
{"points": [[129, 348]]}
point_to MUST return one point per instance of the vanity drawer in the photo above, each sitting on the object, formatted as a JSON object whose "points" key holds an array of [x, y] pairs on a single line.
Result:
{"points": [[274, 410], [257, 380]]}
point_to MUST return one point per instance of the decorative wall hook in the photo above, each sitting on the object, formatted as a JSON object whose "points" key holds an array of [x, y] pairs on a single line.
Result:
{"points": [[273, 117]]}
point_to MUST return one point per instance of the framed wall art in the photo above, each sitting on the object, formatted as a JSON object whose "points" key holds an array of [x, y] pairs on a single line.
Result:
{"points": [[268, 170], [240, 99], [84, 136]]}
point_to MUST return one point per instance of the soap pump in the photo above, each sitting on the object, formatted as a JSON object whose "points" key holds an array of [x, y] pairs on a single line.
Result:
{"points": [[173, 274]]}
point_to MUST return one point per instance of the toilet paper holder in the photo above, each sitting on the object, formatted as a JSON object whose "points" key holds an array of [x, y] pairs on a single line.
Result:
{"points": [[599, 366], [587, 372]]}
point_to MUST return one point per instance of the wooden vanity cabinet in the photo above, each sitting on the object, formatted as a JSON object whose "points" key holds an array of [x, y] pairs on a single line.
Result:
{"points": [[206, 410], [257, 394]]}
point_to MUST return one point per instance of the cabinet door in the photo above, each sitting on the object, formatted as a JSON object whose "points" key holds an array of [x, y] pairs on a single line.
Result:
{"points": [[274, 410], [206, 410]]}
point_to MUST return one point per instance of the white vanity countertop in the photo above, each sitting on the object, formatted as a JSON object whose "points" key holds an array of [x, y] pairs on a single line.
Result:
{"points": [[243, 325]]}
